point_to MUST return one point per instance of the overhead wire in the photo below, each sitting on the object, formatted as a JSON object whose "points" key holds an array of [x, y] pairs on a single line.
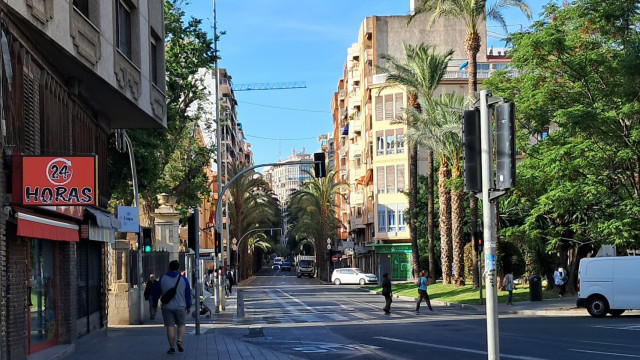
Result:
{"points": [[280, 139], [285, 108]]}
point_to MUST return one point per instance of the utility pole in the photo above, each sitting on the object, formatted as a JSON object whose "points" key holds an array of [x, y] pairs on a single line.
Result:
{"points": [[218, 220], [196, 245]]}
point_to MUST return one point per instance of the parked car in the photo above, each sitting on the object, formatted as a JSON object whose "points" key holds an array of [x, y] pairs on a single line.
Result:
{"points": [[352, 276], [305, 267], [609, 285], [275, 267], [286, 266]]}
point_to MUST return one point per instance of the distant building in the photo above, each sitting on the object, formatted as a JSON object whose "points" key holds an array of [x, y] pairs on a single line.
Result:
{"points": [[285, 180]]}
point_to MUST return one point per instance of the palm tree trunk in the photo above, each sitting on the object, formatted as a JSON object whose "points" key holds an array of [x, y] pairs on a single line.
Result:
{"points": [[430, 218], [445, 221], [472, 44], [457, 223], [413, 201]]}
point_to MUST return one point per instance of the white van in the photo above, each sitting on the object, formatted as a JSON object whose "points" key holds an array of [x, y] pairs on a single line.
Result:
{"points": [[609, 285]]}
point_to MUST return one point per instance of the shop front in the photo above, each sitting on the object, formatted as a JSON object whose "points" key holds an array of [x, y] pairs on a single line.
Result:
{"points": [[394, 259]]}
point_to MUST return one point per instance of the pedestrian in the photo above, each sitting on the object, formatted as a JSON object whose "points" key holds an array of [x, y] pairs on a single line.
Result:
{"points": [[207, 280], [508, 284], [148, 296], [230, 279], [422, 292], [387, 293], [174, 292], [560, 279]]}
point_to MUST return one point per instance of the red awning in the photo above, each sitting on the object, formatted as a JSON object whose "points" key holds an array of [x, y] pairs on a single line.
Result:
{"points": [[41, 227]]}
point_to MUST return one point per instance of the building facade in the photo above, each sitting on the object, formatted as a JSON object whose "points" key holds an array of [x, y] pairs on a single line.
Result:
{"points": [[371, 152], [72, 72]]}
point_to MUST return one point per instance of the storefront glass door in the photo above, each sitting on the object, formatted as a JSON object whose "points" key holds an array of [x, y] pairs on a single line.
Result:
{"points": [[400, 268], [43, 297]]}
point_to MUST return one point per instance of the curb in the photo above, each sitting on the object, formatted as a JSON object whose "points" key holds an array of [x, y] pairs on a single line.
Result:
{"points": [[433, 302]]}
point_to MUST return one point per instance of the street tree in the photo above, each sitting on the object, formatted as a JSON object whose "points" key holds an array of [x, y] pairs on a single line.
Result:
{"points": [[171, 160], [420, 73], [576, 75], [474, 14], [314, 201]]}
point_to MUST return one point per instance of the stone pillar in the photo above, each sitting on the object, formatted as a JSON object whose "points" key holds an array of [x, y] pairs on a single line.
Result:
{"points": [[167, 226]]}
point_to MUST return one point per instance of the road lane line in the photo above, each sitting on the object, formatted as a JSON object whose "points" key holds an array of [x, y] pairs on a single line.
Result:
{"points": [[336, 317], [480, 352], [604, 353], [298, 301], [605, 343], [284, 303], [363, 316]]}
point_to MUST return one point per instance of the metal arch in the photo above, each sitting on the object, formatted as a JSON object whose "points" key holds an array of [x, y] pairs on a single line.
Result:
{"points": [[270, 86]]}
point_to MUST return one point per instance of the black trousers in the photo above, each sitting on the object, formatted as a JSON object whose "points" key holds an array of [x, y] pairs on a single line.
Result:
{"points": [[388, 300], [563, 289], [423, 295]]}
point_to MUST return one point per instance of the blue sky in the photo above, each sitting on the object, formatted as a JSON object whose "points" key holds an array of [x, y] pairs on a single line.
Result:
{"points": [[287, 40]]}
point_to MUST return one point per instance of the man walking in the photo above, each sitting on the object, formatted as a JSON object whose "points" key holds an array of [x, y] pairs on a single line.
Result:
{"points": [[386, 292], [174, 292], [230, 279], [560, 279], [148, 296]]}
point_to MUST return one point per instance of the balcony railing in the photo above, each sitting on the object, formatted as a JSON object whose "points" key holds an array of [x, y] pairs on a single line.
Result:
{"points": [[368, 55], [380, 78], [342, 94], [356, 125]]}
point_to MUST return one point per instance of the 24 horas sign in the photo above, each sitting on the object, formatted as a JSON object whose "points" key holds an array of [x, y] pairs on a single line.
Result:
{"points": [[52, 180]]}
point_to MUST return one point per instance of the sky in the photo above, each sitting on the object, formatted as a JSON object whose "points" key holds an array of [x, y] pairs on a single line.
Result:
{"points": [[269, 41]]}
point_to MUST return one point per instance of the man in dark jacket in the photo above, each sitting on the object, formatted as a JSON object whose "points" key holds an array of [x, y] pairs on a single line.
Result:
{"points": [[148, 296], [386, 292], [175, 309]]}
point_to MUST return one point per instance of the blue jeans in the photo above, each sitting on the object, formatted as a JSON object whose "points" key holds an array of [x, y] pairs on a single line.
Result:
{"points": [[151, 308], [510, 296]]}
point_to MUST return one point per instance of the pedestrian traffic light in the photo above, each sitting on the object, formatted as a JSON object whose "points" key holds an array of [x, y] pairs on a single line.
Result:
{"points": [[319, 166], [191, 232], [146, 240], [479, 244], [505, 146], [471, 150], [218, 241]]}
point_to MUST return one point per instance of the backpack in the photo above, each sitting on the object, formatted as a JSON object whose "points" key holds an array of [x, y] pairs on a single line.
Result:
{"points": [[419, 282], [171, 293], [505, 281], [564, 278]]}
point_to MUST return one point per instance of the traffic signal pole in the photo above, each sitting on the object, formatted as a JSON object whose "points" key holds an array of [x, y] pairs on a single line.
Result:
{"points": [[488, 214]]}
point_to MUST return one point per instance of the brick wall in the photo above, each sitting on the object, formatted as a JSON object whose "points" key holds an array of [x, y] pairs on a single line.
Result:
{"points": [[16, 295], [67, 296]]}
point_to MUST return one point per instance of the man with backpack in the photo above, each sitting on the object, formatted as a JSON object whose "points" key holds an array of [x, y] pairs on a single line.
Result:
{"points": [[174, 293], [508, 285], [561, 279]]}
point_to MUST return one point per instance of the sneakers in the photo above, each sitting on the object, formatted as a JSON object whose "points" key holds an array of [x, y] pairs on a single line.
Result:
{"points": [[561, 297], [417, 312], [180, 348], [171, 351]]}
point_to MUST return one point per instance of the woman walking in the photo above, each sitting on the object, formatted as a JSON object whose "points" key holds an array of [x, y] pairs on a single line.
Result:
{"points": [[386, 292], [560, 279], [422, 292], [509, 285]]}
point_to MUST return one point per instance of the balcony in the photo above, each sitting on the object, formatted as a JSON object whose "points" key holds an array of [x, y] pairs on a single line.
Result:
{"points": [[369, 80], [342, 94], [356, 199], [355, 125], [355, 73], [368, 55], [379, 78], [355, 101], [457, 74], [225, 86], [368, 28]]}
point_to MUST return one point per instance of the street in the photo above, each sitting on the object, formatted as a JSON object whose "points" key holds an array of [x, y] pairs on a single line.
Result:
{"points": [[301, 318]]}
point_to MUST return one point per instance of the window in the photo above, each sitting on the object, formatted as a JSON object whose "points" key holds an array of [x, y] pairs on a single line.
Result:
{"points": [[388, 107], [391, 217], [398, 103], [391, 179], [499, 66], [379, 112], [82, 6], [381, 219], [400, 178], [481, 67], [543, 133], [390, 142], [402, 225], [380, 179], [400, 141], [379, 143], [359, 212], [123, 29], [154, 63]]}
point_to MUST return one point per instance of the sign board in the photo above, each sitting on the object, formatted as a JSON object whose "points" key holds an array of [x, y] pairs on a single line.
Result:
{"points": [[347, 244], [334, 258], [55, 181], [129, 219], [360, 250], [348, 251], [393, 249]]}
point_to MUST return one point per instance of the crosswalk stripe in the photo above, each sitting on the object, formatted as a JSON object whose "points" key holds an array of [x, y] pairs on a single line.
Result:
{"points": [[310, 318], [363, 316], [336, 317]]}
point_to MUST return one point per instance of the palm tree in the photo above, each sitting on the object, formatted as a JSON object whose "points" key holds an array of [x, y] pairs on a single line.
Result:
{"points": [[472, 13], [316, 200], [252, 207], [420, 72]]}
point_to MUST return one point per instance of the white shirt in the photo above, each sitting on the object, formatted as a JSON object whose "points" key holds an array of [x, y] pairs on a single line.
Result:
{"points": [[557, 276]]}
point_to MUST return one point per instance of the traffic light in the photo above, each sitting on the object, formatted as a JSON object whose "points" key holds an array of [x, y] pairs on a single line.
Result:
{"points": [[471, 150], [505, 146], [479, 244], [191, 231], [146, 240], [218, 240], [319, 166]]}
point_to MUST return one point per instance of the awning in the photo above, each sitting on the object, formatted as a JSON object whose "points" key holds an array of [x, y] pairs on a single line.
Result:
{"points": [[100, 226], [345, 131], [102, 219], [41, 227]]}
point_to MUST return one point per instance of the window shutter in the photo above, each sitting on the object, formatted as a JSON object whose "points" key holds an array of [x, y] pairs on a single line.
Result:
{"points": [[31, 83], [378, 108], [388, 107], [399, 107], [401, 178], [380, 178], [391, 179]]}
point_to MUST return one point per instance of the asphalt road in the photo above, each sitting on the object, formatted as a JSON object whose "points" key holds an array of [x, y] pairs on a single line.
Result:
{"points": [[302, 318]]}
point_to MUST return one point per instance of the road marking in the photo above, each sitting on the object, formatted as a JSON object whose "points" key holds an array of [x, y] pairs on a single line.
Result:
{"points": [[336, 317], [455, 348], [363, 316], [619, 327], [298, 301], [605, 343], [284, 303], [605, 353]]}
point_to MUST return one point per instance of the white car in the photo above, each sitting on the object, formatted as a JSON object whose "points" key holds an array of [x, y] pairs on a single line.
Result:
{"points": [[609, 285], [352, 276]]}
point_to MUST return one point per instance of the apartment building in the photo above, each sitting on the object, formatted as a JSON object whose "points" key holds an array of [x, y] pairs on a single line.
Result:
{"points": [[285, 180], [327, 146], [72, 72], [371, 152]]}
